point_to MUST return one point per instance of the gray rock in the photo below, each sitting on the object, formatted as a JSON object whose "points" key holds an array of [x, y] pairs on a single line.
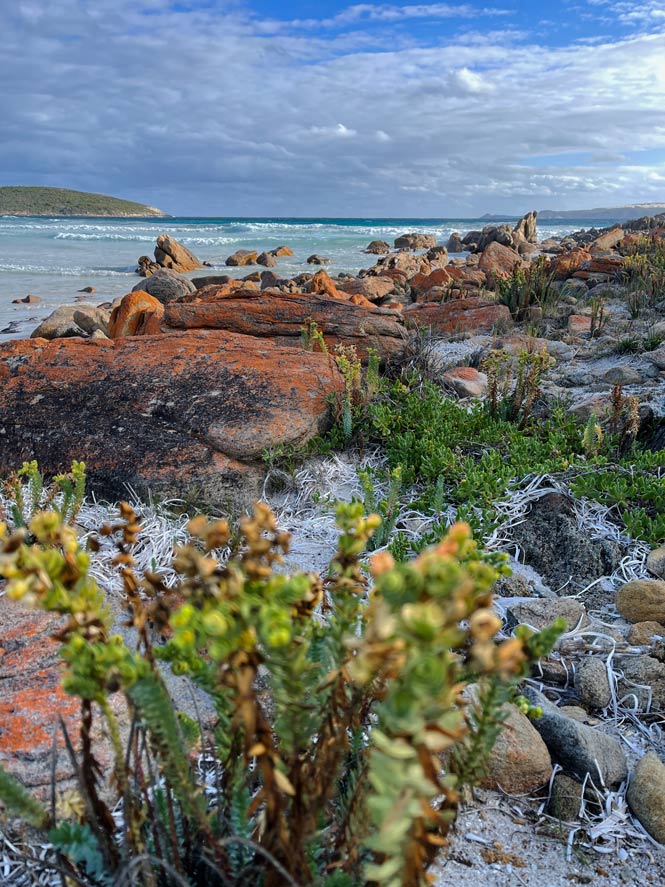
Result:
{"points": [[378, 248], [566, 557], [540, 613], [644, 678], [318, 260], [519, 761], [646, 795], [268, 260], [415, 241], [623, 375], [455, 243], [656, 562], [577, 748], [70, 321], [592, 683], [565, 798], [166, 286]]}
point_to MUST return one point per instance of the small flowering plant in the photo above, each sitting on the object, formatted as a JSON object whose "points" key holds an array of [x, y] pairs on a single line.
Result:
{"points": [[342, 736]]}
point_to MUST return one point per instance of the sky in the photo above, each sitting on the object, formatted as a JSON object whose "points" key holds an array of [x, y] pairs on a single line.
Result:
{"points": [[268, 108]]}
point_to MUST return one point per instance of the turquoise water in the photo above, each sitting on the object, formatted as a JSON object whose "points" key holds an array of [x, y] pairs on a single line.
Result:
{"points": [[53, 258]]}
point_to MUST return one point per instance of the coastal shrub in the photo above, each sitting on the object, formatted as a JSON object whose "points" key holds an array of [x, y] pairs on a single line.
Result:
{"points": [[25, 492], [644, 268], [527, 287], [477, 456], [342, 738]]}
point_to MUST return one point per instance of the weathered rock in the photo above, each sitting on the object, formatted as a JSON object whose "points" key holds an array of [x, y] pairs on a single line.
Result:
{"points": [[525, 229], [169, 253], [519, 761], [372, 288], [73, 321], [623, 375], [282, 251], [378, 248], [592, 683], [423, 282], [565, 798], [646, 795], [268, 260], [539, 613], [579, 324], [644, 678], [318, 260], [566, 264], [609, 239], [27, 300], [455, 243], [242, 257], [641, 634], [565, 556], [657, 357], [466, 381], [211, 280], [165, 414], [138, 314], [281, 317], [415, 241], [404, 262], [499, 261], [166, 286], [656, 562], [577, 748], [437, 255], [472, 315], [642, 600]]}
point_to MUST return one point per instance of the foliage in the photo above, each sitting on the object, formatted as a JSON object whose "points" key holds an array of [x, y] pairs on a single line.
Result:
{"points": [[387, 508], [644, 270], [514, 402], [324, 764], [26, 493], [37, 201], [527, 287], [477, 456]]}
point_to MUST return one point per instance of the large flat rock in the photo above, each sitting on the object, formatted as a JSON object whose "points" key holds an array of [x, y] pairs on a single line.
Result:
{"points": [[174, 414]]}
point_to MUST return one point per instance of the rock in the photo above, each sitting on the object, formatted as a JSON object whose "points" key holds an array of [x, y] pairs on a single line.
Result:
{"points": [[565, 798], [415, 241], [623, 375], [437, 255], [378, 248], [282, 317], [138, 314], [282, 251], [455, 243], [164, 414], [578, 748], [499, 261], [656, 562], [609, 239], [318, 260], [423, 282], [642, 600], [565, 556], [87, 289], [372, 288], [525, 229], [212, 280], [27, 300], [519, 762], [466, 381], [166, 286], [551, 245], [592, 683], [268, 260], [539, 613], [644, 678], [472, 315], [270, 280], [169, 253], [146, 266], [72, 321], [641, 634], [646, 795], [568, 263], [501, 234], [242, 257], [579, 325], [405, 262], [657, 357]]}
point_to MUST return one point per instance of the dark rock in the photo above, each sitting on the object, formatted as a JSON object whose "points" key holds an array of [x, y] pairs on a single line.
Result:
{"points": [[592, 683], [318, 260], [268, 260], [28, 300], [378, 247], [166, 286], [415, 241]]}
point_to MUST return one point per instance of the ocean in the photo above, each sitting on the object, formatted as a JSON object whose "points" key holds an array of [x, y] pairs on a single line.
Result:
{"points": [[54, 258]]}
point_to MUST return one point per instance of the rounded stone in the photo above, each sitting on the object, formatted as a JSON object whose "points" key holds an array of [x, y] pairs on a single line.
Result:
{"points": [[520, 761], [646, 795], [592, 683], [642, 600]]}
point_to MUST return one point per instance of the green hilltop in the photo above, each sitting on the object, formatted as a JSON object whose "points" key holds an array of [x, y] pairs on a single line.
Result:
{"points": [[18, 200]]}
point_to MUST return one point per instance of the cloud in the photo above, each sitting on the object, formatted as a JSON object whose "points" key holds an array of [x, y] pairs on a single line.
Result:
{"points": [[213, 110], [372, 12]]}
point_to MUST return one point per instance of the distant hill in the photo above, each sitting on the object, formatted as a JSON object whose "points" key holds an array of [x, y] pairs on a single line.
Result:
{"points": [[18, 200], [605, 214]]}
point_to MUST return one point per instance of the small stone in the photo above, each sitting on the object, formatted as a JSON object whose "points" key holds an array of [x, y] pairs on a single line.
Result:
{"points": [[623, 375], [646, 794], [579, 324], [539, 613], [656, 562], [318, 260], [87, 289], [466, 381], [642, 600], [644, 679], [26, 300], [642, 633], [520, 761], [565, 799], [579, 749], [592, 683]]}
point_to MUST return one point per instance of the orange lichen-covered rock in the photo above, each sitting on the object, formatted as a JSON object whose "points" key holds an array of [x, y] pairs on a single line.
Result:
{"points": [[472, 315], [138, 314], [423, 282], [282, 318], [166, 413], [372, 288], [498, 260], [282, 251], [323, 285], [565, 265]]}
